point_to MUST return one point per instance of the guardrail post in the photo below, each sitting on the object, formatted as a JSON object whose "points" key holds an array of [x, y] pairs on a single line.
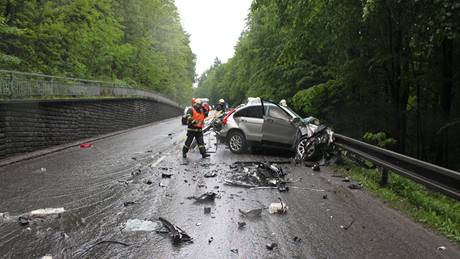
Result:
{"points": [[384, 180]]}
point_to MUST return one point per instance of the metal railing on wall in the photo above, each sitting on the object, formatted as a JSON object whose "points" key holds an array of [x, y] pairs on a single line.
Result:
{"points": [[20, 85]]}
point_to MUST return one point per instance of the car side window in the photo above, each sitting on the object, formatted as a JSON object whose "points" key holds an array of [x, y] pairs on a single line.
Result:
{"points": [[241, 113], [255, 112], [277, 112]]}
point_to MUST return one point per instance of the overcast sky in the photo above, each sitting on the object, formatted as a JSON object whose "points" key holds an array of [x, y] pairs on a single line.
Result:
{"points": [[214, 26]]}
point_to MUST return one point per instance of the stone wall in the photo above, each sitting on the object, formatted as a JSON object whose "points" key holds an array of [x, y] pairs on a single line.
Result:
{"points": [[31, 125]]}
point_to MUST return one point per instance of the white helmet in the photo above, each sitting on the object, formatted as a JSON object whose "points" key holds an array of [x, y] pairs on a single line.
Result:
{"points": [[221, 101]]}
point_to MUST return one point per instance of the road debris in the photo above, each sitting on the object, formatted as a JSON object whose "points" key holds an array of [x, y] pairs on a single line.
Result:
{"points": [[241, 224], [86, 145], [271, 246], [297, 239], [210, 174], [40, 215], [129, 203], [177, 234], [282, 187], [135, 225], [166, 175], [355, 186], [47, 257], [207, 210], [346, 180], [315, 168], [278, 208], [198, 224], [257, 174], [251, 213], [234, 250], [203, 198], [347, 226], [4, 215], [325, 196], [149, 182], [442, 248], [210, 240]]}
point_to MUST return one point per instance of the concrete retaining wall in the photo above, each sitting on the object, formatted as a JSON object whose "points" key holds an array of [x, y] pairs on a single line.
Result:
{"points": [[31, 125]]}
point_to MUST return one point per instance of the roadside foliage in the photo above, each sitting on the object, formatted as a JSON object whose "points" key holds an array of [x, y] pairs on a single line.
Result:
{"points": [[140, 42], [360, 66]]}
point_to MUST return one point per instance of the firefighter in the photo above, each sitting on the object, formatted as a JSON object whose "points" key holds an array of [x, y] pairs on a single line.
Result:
{"points": [[283, 103], [220, 107], [195, 118]]}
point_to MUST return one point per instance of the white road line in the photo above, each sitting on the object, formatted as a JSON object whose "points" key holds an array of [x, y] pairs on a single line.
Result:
{"points": [[158, 161]]}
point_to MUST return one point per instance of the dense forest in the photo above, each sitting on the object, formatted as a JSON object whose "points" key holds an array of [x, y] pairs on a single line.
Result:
{"points": [[388, 67], [139, 42]]}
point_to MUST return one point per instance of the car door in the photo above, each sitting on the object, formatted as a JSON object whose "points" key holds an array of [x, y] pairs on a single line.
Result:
{"points": [[277, 127], [250, 121]]}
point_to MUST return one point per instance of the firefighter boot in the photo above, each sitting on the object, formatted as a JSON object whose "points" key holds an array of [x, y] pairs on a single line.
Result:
{"points": [[184, 152]]}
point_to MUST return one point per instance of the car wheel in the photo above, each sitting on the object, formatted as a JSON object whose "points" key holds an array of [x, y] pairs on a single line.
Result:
{"points": [[237, 142], [307, 150]]}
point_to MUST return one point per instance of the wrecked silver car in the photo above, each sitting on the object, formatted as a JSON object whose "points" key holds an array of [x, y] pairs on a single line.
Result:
{"points": [[263, 123], [259, 123]]}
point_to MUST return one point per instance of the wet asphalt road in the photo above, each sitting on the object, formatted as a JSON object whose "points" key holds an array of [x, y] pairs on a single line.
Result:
{"points": [[92, 185]]}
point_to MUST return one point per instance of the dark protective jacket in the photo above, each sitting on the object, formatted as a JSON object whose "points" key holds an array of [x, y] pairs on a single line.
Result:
{"points": [[220, 107]]}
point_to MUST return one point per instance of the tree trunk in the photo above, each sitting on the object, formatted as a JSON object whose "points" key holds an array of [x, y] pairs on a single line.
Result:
{"points": [[445, 101]]}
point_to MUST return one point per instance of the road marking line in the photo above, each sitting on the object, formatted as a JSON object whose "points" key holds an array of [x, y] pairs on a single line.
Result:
{"points": [[158, 161]]}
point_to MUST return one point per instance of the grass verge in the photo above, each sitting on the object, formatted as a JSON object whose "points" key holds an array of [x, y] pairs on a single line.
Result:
{"points": [[432, 209]]}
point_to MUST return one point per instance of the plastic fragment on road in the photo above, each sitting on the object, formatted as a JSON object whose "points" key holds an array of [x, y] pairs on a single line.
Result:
{"points": [[442, 248], [346, 180], [129, 203], [205, 197], [278, 208], [210, 175], [347, 226], [86, 145], [4, 215], [251, 213], [40, 215], [271, 246], [355, 186], [241, 224], [166, 175], [47, 257], [137, 225], [177, 234], [43, 169], [234, 250]]}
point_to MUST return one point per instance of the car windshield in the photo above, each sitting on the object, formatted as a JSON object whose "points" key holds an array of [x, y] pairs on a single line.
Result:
{"points": [[291, 112]]}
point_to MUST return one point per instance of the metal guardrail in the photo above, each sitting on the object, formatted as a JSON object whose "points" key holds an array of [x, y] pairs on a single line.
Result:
{"points": [[432, 176], [19, 85]]}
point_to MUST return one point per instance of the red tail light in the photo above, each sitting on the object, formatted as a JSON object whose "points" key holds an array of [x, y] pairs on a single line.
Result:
{"points": [[224, 121]]}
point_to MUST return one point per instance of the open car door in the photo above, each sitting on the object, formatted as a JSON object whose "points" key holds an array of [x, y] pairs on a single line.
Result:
{"points": [[277, 128]]}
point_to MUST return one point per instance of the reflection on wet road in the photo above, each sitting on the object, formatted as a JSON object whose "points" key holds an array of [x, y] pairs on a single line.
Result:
{"points": [[121, 185]]}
